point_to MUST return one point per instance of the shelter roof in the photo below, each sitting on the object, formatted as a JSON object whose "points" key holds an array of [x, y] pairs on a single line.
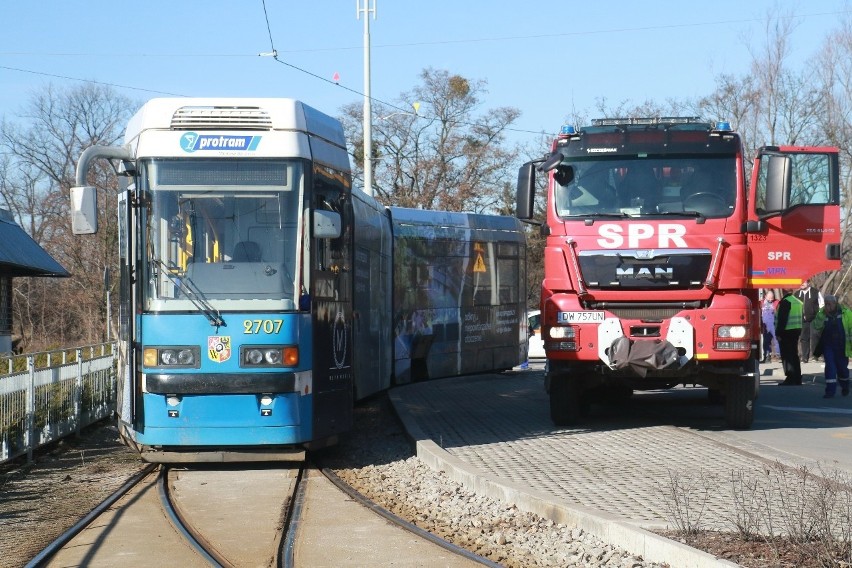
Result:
{"points": [[20, 255]]}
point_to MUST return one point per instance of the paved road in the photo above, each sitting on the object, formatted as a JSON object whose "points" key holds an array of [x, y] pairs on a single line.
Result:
{"points": [[795, 424], [493, 433]]}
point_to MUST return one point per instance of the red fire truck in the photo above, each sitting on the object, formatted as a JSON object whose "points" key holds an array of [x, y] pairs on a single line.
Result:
{"points": [[655, 251]]}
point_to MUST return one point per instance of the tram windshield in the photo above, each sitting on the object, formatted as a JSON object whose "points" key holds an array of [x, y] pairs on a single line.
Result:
{"points": [[221, 234]]}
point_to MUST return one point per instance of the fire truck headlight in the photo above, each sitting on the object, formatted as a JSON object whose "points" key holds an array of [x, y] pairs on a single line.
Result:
{"points": [[731, 338], [732, 331], [562, 332]]}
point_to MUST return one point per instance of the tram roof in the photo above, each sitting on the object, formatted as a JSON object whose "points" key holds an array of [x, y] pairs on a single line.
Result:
{"points": [[232, 113], [428, 222]]}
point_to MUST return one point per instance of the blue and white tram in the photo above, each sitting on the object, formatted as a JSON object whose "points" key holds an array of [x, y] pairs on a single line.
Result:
{"points": [[261, 296]]}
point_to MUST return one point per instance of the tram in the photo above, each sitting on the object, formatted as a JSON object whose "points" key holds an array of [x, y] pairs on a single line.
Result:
{"points": [[261, 295]]}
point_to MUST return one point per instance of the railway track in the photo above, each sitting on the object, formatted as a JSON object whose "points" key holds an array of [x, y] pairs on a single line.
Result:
{"points": [[233, 517]]}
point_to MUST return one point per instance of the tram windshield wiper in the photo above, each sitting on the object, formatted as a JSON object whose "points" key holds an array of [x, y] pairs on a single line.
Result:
{"points": [[191, 291]]}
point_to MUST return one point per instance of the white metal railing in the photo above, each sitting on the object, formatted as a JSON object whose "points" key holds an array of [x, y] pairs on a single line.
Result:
{"points": [[48, 395]]}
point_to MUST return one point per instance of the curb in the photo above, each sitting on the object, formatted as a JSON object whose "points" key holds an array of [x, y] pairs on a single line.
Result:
{"points": [[608, 528]]}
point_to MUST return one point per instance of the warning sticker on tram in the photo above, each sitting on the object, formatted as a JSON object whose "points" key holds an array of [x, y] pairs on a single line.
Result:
{"points": [[580, 317]]}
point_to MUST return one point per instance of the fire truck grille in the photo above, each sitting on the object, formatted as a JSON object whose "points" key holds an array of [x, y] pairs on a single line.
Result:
{"points": [[649, 313], [645, 269], [221, 118]]}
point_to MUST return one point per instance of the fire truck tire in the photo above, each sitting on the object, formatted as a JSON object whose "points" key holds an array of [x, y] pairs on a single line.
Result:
{"points": [[715, 396], [739, 403], [566, 401]]}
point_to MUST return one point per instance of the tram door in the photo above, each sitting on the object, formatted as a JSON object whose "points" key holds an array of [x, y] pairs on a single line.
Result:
{"points": [[127, 410], [331, 270]]}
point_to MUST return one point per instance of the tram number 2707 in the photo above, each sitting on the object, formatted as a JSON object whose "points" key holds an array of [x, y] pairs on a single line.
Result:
{"points": [[253, 327]]}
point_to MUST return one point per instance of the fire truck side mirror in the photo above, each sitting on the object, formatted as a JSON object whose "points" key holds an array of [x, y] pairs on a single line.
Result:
{"points": [[550, 162], [526, 191], [779, 179]]}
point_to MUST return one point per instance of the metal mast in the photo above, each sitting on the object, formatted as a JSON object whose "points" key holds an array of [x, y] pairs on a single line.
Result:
{"points": [[368, 110]]}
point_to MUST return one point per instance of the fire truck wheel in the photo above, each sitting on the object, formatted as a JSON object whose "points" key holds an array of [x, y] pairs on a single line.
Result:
{"points": [[715, 396], [739, 403], [566, 401]]}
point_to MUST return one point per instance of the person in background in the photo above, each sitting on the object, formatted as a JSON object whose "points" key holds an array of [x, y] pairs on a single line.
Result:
{"points": [[833, 326], [767, 316], [788, 327], [810, 300]]}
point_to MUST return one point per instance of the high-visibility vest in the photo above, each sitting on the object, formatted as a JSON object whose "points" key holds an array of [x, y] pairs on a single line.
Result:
{"points": [[794, 318]]}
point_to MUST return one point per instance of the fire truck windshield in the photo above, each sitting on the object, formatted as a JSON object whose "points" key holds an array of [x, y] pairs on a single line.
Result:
{"points": [[647, 185]]}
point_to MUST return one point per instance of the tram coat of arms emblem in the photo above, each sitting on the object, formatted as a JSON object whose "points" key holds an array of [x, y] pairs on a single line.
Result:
{"points": [[219, 348]]}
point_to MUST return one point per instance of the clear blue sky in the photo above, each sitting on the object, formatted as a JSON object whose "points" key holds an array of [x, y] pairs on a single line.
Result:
{"points": [[543, 58]]}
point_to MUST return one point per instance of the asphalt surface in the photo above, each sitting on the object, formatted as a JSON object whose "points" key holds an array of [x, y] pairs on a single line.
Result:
{"points": [[611, 475]]}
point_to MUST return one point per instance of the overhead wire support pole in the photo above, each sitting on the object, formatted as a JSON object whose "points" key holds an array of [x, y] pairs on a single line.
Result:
{"points": [[368, 109]]}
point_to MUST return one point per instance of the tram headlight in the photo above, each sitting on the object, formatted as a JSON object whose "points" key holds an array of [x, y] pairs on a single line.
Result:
{"points": [[253, 356], [168, 357], [172, 356], [269, 356], [272, 356], [186, 357]]}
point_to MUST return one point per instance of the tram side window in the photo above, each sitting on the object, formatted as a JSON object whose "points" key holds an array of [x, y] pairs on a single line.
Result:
{"points": [[332, 256], [483, 274], [508, 273]]}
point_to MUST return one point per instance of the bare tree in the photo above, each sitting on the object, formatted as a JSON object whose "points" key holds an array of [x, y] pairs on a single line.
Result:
{"points": [[444, 155], [736, 100], [834, 66], [36, 170], [627, 109]]}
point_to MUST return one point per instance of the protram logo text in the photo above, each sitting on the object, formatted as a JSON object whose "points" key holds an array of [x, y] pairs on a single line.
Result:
{"points": [[192, 142]]}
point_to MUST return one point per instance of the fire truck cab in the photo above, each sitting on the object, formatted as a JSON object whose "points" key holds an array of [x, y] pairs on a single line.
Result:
{"points": [[655, 251]]}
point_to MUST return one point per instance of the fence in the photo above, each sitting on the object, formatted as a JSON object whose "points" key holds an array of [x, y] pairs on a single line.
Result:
{"points": [[46, 396]]}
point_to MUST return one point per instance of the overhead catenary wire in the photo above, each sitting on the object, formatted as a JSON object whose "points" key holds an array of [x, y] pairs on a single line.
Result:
{"points": [[274, 54], [93, 81]]}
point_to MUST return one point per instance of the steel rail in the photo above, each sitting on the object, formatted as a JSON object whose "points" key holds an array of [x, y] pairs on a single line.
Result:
{"points": [[402, 523], [185, 529], [51, 549], [292, 517]]}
